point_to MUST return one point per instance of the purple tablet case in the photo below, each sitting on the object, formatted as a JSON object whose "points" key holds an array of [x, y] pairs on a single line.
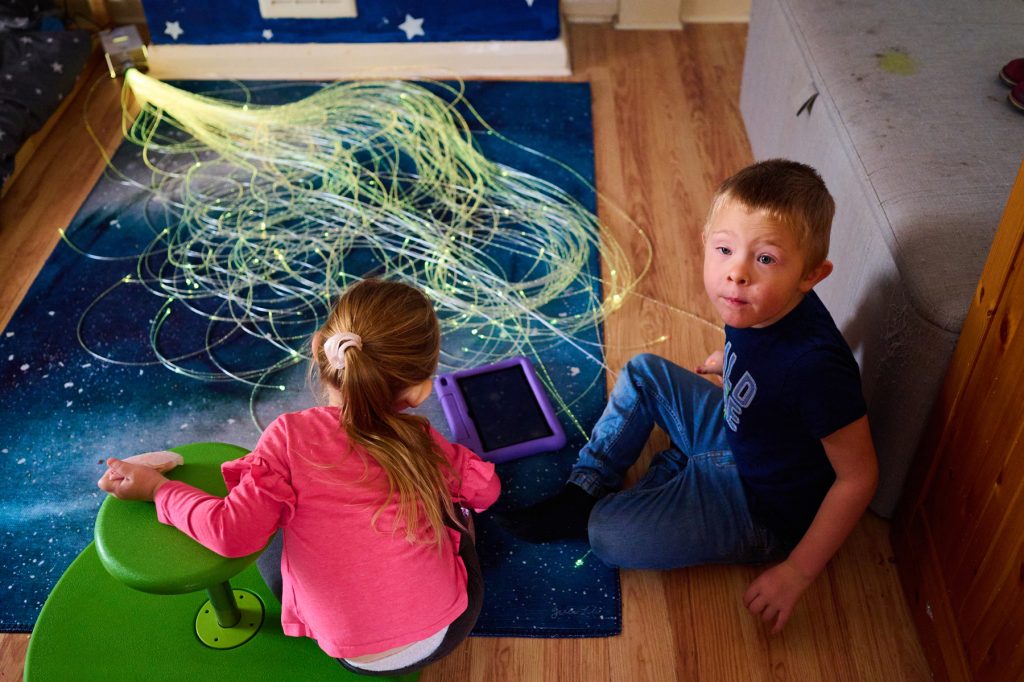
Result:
{"points": [[500, 411]]}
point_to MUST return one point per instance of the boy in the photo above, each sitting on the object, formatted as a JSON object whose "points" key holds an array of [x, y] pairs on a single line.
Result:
{"points": [[778, 466]]}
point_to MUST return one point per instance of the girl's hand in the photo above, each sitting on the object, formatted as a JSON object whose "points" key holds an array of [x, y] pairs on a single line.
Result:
{"points": [[127, 481], [774, 593], [713, 364]]}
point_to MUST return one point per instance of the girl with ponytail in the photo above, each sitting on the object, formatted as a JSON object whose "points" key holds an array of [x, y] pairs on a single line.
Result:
{"points": [[374, 555]]}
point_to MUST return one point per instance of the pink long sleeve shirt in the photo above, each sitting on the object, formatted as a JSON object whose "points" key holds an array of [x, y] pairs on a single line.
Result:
{"points": [[355, 589]]}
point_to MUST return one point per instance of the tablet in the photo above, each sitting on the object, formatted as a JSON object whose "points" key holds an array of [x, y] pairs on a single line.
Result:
{"points": [[499, 411]]}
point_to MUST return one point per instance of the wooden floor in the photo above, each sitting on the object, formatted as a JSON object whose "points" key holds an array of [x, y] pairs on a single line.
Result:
{"points": [[667, 130]]}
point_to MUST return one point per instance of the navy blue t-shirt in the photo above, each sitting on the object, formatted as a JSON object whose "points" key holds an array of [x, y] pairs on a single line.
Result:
{"points": [[787, 386]]}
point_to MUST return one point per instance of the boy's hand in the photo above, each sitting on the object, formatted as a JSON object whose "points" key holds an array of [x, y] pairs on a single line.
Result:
{"points": [[127, 481], [713, 364], [774, 593]]}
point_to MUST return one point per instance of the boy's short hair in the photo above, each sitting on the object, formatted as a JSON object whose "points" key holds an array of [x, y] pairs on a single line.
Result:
{"points": [[791, 193]]}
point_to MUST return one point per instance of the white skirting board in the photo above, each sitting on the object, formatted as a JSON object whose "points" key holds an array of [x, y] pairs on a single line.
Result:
{"points": [[675, 14], [589, 11], [714, 11], [315, 61]]}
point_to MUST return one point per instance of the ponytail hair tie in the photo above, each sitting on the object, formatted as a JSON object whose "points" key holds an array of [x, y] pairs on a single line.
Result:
{"points": [[335, 347]]}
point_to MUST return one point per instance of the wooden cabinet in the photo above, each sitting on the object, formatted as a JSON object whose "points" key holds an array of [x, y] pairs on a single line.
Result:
{"points": [[959, 535]]}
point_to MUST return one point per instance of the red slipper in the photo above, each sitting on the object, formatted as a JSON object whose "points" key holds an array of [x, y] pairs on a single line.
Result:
{"points": [[1012, 73], [1016, 97]]}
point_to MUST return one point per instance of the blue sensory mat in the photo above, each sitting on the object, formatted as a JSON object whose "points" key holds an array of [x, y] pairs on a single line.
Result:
{"points": [[64, 410]]}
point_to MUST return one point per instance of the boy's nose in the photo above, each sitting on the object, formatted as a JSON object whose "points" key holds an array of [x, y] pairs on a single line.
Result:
{"points": [[738, 274]]}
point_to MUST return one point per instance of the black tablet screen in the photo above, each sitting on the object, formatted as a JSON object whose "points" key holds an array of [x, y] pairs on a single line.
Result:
{"points": [[503, 408]]}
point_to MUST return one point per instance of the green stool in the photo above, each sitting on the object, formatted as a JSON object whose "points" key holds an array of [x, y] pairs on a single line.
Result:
{"points": [[148, 556], [127, 608]]}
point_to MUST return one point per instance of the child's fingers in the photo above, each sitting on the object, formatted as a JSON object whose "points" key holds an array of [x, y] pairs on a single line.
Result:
{"points": [[756, 604], [107, 483], [121, 469], [752, 593], [115, 471], [114, 474], [784, 615], [709, 368]]}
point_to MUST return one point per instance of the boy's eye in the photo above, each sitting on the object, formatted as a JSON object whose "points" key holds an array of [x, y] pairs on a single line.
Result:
{"points": [[765, 259], [724, 250]]}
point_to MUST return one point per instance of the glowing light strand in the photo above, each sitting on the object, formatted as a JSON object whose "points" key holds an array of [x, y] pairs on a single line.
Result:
{"points": [[267, 212]]}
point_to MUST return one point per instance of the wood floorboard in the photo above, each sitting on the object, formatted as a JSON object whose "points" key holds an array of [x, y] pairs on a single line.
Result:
{"points": [[667, 130]]}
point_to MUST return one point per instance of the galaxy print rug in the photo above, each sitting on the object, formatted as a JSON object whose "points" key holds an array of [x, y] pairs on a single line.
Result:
{"points": [[64, 410]]}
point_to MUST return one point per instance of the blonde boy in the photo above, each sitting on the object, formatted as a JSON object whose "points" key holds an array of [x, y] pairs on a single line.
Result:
{"points": [[777, 465]]}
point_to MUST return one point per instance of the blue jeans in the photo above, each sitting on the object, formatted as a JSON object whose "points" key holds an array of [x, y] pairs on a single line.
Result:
{"points": [[689, 508]]}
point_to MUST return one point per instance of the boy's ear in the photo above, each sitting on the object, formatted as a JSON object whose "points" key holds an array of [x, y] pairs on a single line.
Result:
{"points": [[811, 279]]}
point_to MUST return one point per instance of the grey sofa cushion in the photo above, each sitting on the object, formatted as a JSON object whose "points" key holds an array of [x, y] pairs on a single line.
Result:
{"points": [[921, 110], [900, 108]]}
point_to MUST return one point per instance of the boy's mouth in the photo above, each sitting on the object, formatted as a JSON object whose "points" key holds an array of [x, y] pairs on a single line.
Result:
{"points": [[735, 302]]}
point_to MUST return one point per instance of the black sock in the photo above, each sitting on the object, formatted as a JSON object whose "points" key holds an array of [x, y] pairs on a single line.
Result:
{"points": [[562, 516]]}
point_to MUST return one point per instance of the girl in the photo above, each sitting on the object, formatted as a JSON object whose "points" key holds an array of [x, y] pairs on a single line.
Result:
{"points": [[375, 559]]}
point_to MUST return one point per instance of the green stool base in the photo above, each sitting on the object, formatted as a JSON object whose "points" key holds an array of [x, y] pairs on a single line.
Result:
{"points": [[92, 627], [213, 635]]}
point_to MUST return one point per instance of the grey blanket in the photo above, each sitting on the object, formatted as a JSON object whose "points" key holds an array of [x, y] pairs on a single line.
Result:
{"points": [[39, 63]]}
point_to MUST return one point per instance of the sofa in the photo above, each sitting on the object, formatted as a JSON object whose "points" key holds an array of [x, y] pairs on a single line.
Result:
{"points": [[899, 107]]}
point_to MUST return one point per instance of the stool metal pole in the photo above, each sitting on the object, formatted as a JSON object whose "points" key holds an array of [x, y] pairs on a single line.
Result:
{"points": [[222, 598]]}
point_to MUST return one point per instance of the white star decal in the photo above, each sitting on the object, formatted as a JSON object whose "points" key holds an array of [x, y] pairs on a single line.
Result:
{"points": [[268, 34], [412, 27], [529, 2], [173, 29], [57, 67]]}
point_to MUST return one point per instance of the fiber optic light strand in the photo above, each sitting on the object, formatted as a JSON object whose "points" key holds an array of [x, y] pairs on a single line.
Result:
{"points": [[265, 213]]}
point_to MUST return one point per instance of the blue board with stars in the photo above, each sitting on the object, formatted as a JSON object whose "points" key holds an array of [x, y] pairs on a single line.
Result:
{"points": [[65, 411], [197, 22]]}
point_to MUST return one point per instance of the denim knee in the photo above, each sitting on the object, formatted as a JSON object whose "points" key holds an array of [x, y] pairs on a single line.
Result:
{"points": [[606, 541], [615, 541], [644, 364]]}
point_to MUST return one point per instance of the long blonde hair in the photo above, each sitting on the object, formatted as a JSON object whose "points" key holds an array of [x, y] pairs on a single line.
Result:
{"points": [[400, 342]]}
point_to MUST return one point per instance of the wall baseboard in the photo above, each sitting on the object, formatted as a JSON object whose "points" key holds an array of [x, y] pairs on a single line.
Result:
{"points": [[589, 11], [717, 19], [665, 15], [714, 11], [314, 61], [644, 15]]}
